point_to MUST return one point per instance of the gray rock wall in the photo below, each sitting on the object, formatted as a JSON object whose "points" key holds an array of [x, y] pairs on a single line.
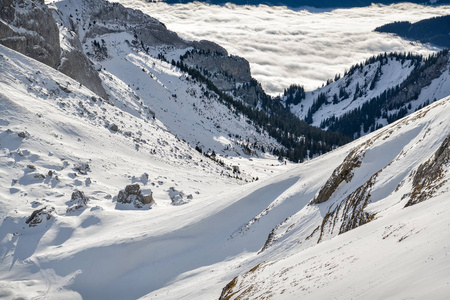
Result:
{"points": [[28, 27]]}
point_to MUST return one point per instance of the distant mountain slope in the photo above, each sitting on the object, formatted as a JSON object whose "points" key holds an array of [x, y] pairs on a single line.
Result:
{"points": [[353, 236], [312, 3], [374, 93], [435, 31], [104, 28]]}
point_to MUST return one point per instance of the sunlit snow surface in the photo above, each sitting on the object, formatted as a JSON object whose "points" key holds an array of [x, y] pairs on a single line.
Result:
{"points": [[283, 46]]}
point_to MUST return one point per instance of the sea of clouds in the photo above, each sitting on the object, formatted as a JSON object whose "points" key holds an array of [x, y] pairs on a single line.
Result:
{"points": [[285, 46]]}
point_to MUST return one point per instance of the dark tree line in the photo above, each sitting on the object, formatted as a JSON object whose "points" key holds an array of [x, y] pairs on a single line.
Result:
{"points": [[383, 106], [294, 94], [299, 139], [434, 30]]}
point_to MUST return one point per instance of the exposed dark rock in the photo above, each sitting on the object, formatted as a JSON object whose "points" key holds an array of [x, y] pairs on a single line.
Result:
{"points": [[353, 214], [77, 201], [412, 88], [114, 128], [342, 173], [77, 66], [22, 134], [233, 291], [227, 291], [209, 46], [40, 215], [225, 71], [236, 169], [39, 176], [28, 27], [82, 168], [112, 17], [429, 177]]}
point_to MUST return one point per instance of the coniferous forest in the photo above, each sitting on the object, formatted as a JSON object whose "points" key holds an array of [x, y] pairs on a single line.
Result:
{"points": [[434, 30]]}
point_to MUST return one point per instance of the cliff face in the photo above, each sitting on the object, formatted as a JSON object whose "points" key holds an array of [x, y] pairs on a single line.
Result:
{"points": [[226, 71], [421, 78], [431, 175], [28, 27], [95, 18], [74, 62]]}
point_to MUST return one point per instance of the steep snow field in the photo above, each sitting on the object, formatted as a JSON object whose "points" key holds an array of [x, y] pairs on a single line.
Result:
{"points": [[305, 46], [57, 137]]}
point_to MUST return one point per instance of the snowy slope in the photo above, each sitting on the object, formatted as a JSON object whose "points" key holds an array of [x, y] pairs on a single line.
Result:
{"points": [[166, 251], [206, 224], [142, 84], [399, 253], [394, 72], [57, 138], [386, 87], [405, 255]]}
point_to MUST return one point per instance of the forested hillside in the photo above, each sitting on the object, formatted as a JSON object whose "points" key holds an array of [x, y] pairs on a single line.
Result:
{"points": [[435, 30], [374, 93]]}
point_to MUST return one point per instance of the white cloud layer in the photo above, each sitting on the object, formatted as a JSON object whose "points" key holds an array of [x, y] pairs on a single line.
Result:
{"points": [[284, 46]]}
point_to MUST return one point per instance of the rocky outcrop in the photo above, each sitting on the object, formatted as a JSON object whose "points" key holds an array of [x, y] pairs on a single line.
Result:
{"points": [[98, 17], [40, 215], [28, 27], [132, 194], [430, 176], [419, 79], [223, 70], [209, 46], [77, 201], [178, 197], [342, 173], [82, 168], [227, 72], [76, 65]]}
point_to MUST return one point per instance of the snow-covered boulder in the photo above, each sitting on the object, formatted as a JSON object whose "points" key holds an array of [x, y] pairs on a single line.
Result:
{"points": [[178, 197], [132, 194], [40, 215], [77, 201]]}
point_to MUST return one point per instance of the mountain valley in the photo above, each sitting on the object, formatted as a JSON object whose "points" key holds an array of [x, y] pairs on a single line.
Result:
{"points": [[137, 164]]}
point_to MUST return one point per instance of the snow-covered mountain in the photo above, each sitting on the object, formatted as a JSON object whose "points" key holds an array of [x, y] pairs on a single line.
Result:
{"points": [[150, 185], [64, 233], [372, 94], [378, 181]]}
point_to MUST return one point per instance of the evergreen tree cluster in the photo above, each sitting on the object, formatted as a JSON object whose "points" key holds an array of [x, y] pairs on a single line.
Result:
{"points": [[294, 94], [100, 49], [364, 118], [383, 59], [317, 103], [299, 140]]}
